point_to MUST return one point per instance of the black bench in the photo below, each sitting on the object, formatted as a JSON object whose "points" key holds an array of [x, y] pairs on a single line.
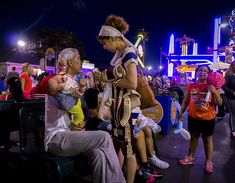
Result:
{"points": [[9, 122], [28, 117]]}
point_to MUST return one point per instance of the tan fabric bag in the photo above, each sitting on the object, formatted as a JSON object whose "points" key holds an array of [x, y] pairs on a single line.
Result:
{"points": [[147, 98]]}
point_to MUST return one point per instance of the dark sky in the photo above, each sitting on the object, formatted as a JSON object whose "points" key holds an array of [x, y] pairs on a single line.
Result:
{"points": [[85, 17]]}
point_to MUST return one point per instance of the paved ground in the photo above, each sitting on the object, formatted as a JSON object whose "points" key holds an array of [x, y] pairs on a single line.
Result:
{"points": [[173, 147]]}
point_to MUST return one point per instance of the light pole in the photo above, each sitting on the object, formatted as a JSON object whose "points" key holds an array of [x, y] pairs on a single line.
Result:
{"points": [[141, 36], [217, 28]]}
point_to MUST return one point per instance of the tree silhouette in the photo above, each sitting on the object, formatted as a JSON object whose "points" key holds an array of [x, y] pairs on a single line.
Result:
{"points": [[58, 40]]}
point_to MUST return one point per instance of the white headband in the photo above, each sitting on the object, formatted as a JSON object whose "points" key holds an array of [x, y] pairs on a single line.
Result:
{"points": [[112, 32]]}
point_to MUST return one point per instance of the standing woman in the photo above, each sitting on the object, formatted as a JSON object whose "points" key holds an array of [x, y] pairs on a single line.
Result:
{"points": [[111, 36], [201, 119], [25, 80], [229, 89]]}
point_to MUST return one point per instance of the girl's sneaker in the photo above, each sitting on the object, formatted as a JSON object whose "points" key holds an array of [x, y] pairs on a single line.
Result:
{"points": [[208, 167], [155, 161], [151, 179], [147, 172], [186, 161]]}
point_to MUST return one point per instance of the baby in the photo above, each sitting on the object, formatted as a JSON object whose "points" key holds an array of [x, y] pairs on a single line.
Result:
{"points": [[61, 66], [68, 91]]}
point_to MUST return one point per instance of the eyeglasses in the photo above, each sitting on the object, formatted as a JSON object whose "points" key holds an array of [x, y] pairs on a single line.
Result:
{"points": [[201, 71]]}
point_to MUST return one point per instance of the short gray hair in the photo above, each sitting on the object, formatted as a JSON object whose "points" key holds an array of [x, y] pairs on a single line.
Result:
{"points": [[68, 54]]}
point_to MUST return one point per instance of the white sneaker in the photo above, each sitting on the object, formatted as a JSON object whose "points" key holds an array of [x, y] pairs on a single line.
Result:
{"points": [[155, 161]]}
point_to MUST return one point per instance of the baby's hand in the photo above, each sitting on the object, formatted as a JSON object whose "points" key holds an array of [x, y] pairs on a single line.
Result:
{"points": [[77, 92], [82, 82], [82, 85]]}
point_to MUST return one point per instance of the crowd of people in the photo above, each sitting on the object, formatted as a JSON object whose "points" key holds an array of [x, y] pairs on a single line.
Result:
{"points": [[98, 116]]}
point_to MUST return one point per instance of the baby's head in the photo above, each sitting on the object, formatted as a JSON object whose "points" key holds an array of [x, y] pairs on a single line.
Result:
{"points": [[62, 64], [52, 84]]}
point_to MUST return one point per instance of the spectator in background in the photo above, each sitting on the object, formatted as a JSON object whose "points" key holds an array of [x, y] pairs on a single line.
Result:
{"points": [[15, 90], [2, 83], [92, 98], [229, 89], [15, 93], [12, 73], [161, 84], [26, 81]]}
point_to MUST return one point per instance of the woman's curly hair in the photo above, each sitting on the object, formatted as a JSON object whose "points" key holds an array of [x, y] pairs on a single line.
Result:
{"points": [[118, 23]]}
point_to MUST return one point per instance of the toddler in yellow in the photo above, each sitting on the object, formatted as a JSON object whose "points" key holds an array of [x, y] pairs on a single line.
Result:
{"points": [[69, 91]]}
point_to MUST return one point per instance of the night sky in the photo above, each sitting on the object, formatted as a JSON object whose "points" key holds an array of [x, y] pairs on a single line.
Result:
{"points": [[85, 17]]}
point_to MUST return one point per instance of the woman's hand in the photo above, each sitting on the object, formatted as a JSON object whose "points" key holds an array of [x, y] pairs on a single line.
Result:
{"points": [[216, 95], [97, 75]]}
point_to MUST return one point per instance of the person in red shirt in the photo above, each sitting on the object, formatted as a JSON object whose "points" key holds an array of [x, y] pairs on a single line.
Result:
{"points": [[25, 79], [201, 119]]}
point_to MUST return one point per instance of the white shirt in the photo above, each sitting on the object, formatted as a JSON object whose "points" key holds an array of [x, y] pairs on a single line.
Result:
{"points": [[56, 121]]}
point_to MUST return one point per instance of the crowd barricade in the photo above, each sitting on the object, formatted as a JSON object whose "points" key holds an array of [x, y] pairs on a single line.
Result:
{"points": [[169, 114], [28, 117]]}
